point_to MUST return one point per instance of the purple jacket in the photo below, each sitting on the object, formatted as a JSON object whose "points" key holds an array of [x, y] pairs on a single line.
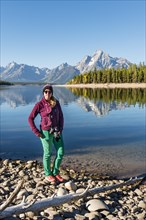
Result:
{"points": [[50, 117]]}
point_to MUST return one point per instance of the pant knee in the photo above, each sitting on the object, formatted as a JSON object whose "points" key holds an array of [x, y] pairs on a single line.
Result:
{"points": [[60, 154], [47, 155]]}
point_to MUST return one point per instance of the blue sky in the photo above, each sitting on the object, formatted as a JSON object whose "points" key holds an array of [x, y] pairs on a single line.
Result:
{"points": [[49, 33]]}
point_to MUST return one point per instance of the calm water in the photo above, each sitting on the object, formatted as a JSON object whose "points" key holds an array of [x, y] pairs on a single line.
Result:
{"points": [[96, 122]]}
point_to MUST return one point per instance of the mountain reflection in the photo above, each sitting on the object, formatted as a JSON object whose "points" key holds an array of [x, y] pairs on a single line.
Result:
{"points": [[99, 101], [99, 107], [16, 96]]}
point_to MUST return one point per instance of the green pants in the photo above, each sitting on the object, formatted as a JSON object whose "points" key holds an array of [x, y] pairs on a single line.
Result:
{"points": [[47, 141]]}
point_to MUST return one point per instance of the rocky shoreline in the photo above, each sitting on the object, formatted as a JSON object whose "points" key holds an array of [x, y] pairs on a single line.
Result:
{"points": [[105, 85], [128, 202]]}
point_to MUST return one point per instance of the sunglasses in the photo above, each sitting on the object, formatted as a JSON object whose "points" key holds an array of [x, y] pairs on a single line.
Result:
{"points": [[49, 92]]}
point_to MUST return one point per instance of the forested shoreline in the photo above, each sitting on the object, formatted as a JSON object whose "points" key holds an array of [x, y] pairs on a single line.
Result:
{"points": [[5, 83], [134, 74]]}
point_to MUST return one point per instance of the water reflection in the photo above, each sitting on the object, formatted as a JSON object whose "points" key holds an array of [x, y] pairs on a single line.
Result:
{"points": [[16, 96], [119, 95], [99, 101]]}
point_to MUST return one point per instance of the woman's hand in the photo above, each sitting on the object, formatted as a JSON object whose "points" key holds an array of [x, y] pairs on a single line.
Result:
{"points": [[59, 132], [40, 135]]}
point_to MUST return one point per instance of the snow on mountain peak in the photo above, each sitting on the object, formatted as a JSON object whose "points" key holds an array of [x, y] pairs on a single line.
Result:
{"points": [[64, 72], [11, 65], [100, 60], [99, 52], [62, 66], [84, 62]]}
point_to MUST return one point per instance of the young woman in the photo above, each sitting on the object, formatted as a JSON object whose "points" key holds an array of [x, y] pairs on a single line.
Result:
{"points": [[50, 132]]}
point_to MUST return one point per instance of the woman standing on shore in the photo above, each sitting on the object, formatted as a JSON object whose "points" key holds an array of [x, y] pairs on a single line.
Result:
{"points": [[50, 132]]}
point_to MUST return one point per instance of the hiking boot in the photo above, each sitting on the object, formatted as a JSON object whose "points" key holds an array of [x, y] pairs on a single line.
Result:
{"points": [[50, 179], [59, 178]]}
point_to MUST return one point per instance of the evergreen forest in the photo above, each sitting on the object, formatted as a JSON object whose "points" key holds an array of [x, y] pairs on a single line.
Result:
{"points": [[134, 74], [5, 83]]}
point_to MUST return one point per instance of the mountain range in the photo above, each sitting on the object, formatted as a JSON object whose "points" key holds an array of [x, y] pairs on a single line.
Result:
{"points": [[14, 72]]}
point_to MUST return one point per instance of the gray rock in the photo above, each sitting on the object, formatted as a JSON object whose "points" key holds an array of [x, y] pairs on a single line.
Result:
{"points": [[61, 192], [30, 197], [22, 215], [142, 204], [40, 183], [65, 177], [29, 165], [22, 193], [21, 173], [6, 183], [141, 216], [52, 214], [79, 217], [30, 162], [138, 192], [93, 216], [110, 217], [80, 190], [6, 162], [26, 178], [96, 204], [69, 218], [30, 214], [70, 185], [10, 165], [135, 209], [2, 191], [105, 212]]}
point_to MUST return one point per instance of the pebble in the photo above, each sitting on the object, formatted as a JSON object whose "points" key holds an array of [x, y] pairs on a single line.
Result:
{"points": [[61, 191], [70, 185], [142, 204], [105, 212], [138, 192], [96, 204], [93, 215], [80, 217], [22, 193], [6, 162], [22, 215], [21, 173], [30, 215], [80, 190], [123, 203], [141, 216]]}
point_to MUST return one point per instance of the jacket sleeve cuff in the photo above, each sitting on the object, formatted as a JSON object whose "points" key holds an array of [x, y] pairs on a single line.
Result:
{"points": [[37, 133]]}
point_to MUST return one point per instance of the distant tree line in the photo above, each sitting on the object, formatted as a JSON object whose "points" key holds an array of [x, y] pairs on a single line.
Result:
{"points": [[134, 74], [5, 83], [127, 95]]}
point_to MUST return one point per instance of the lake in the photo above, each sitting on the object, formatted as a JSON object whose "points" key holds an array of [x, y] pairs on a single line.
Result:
{"points": [[104, 129]]}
